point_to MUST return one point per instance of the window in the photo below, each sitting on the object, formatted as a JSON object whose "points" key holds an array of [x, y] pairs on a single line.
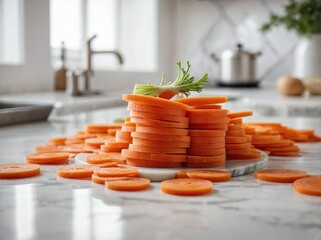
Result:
{"points": [[11, 34], [124, 25]]}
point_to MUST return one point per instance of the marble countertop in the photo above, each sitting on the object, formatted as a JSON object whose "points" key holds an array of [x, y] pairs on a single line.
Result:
{"points": [[45, 207]]}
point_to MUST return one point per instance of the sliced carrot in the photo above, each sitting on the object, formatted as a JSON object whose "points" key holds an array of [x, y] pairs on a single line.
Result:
{"points": [[181, 174], [211, 175], [235, 140], [309, 185], [114, 144], [152, 164], [154, 101], [204, 164], [107, 164], [283, 149], [266, 139], [234, 126], [107, 149], [75, 148], [126, 153], [195, 101], [123, 135], [94, 142], [206, 151], [207, 140], [72, 141], [282, 143], [157, 143], [186, 186], [13, 171], [116, 172], [208, 106], [174, 150], [212, 126], [76, 171], [157, 130], [240, 114], [112, 132], [206, 113], [128, 184], [123, 140], [238, 146], [82, 135], [159, 123], [244, 156], [161, 137], [57, 141], [236, 121], [236, 133], [48, 157], [98, 159], [279, 175], [207, 145], [206, 159], [285, 154], [101, 128], [207, 133], [128, 128], [116, 157], [101, 180], [158, 116], [48, 148], [156, 109], [208, 120]]}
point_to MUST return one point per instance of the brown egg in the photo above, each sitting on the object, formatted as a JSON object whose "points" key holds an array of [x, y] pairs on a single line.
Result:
{"points": [[313, 85], [290, 86]]}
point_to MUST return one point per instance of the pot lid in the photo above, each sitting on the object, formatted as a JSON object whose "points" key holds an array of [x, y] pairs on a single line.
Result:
{"points": [[238, 52]]}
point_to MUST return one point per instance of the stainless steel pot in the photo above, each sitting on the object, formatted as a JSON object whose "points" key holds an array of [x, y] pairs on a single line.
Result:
{"points": [[237, 67]]}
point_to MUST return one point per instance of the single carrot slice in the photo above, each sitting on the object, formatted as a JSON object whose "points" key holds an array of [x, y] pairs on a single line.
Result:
{"points": [[283, 149], [94, 142], [194, 101], [72, 141], [163, 130], [154, 101], [212, 126], [207, 145], [211, 175], [240, 114], [206, 159], [152, 164], [207, 133], [112, 132], [101, 128], [47, 162], [116, 172], [266, 139], [208, 120], [101, 180], [204, 164], [161, 137], [236, 133], [107, 149], [181, 174], [206, 113], [234, 126], [158, 116], [48, 148], [77, 149], [128, 184], [157, 143], [235, 140], [76, 171], [114, 144], [206, 151], [57, 140], [309, 185], [186, 187], [47, 157], [123, 135], [207, 140], [159, 123], [238, 146], [208, 106], [279, 175], [174, 150], [13, 171], [116, 157], [156, 109], [285, 154], [236, 121], [244, 156], [107, 164], [98, 159], [128, 128], [126, 153]]}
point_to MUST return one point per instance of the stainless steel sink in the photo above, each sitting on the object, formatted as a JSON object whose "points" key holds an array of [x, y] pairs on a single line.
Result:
{"points": [[13, 113]]}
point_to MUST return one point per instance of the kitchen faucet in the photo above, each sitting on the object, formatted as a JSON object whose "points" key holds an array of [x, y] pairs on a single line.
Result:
{"points": [[88, 72]]}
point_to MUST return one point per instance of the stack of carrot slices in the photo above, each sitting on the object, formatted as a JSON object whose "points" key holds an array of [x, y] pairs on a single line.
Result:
{"points": [[272, 138], [238, 144], [207, 128], [160, 137], [124, 134]]}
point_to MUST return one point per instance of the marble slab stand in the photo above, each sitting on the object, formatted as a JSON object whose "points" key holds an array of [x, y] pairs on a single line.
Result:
{"points": [[236, 167]]}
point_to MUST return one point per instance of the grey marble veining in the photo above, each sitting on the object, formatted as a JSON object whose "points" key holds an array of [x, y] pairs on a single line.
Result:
{"points": [[45, 207]]}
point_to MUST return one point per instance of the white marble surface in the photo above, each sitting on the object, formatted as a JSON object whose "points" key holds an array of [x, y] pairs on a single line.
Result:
{"points": [[45, 207]]}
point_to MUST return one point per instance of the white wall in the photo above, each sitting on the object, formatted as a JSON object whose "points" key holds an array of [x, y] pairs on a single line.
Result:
{"points": [[36, 73]]}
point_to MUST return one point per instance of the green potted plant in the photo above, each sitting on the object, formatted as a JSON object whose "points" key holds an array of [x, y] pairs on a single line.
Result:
{"points": [[303, 17]]}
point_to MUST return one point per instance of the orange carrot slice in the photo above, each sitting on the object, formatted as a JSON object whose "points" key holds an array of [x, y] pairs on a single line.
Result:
{"points": [[159, 123], [238, 146], [48, 148], [236, 133], [48, 157], [57, 141], [116, 157], [181, 174], [206, 159], [161, 137], [279, 175], [207, 133], [154, 101], [211, 175], [206, 113], [94, 142], [152, 164], [212, 126], [76, 171], [266, 139], [123, 135], [114, 144], [186, 187], [98, 159], [207, 140], [126, 153], [174, 150], [244, 156], [308, 185], [207, 145], [236, 121], [128, 184], [153, 143], [285, 154], [206, 151], [208, 120], [240, 114], [163, 130], [156, 109], [194, 101], [208, 106], [235, 140], [112, 132], [128, 128], [234, 126], [108, 149], [101, 180], [158, 116], [13, 171], [116, 172]]}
